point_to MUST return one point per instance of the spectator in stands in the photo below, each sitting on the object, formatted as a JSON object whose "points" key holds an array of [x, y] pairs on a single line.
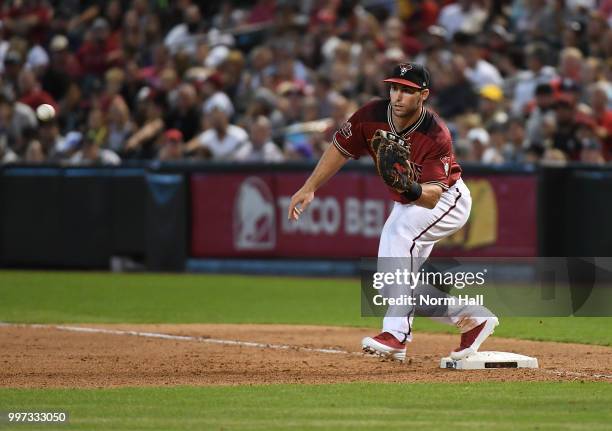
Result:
{"points": [[120, 125], [566, 135], [491, 106], [113, 83], [341, 110], [85, 55], [6, 154], [27, 19], [570, 64], [142, 142], [97, 130], [49, 138], [554, 157], [31, 92], [67, 147], [73, 109], [91, 153], [4, 46], [481, 148], [221, 140], [261, 60], [13, 64], [213, 94], [479, 71], [99, 52], [310, 109], [132, 84], [160, 60], [16, 121], [514, 150], [260, 147], [463, 15], [543, 105], [602, 115], [497, 152], [172, 146], [591, 153], [37, 60], [63, 68], [184, 114], [456, 95], [322, 91], [538, 72], [598, 30], [290, 101], [34, 152], [183, 37]]}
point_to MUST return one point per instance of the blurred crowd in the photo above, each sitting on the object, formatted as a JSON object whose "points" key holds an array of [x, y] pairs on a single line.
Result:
{"points": [[518, 81]]}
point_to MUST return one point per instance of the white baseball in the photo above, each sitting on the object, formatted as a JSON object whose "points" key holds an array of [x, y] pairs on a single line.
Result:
{"points": [[45, 112]]}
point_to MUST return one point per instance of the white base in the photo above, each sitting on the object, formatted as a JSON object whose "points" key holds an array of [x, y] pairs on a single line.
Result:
{"points": [[490, 360]]}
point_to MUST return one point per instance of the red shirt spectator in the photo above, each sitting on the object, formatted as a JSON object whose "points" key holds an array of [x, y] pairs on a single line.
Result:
{"points": [[38, 97], [101, 51], [27, 19], [263, 11], [31, 91]]}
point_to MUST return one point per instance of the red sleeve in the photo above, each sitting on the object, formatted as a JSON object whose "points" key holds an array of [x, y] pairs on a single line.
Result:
{"points": [[437, 165], [349, 138]]}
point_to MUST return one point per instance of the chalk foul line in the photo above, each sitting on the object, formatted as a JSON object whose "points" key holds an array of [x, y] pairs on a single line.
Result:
{"points": [[181, 338], [163, 336]]}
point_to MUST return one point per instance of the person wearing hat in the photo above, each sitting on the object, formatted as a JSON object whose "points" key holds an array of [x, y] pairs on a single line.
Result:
{"points": [[172, 147], [491, 105], [436, 205], [63, 68]]}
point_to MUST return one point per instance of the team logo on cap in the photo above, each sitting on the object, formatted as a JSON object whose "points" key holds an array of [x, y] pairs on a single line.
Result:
{"points": [[404, 68]]}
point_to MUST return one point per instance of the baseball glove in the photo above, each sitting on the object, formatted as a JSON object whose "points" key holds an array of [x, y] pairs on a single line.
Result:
{"points": [[391, 157]]}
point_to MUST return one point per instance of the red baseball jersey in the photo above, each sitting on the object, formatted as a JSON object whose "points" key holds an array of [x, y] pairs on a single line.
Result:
{"points": [[431, 149]]}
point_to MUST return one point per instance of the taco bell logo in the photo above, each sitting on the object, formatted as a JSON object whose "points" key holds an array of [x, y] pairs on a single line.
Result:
{"points": [[254, 217]]}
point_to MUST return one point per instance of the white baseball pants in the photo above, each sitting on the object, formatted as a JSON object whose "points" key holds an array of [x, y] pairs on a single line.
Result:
{"points": [[411, 232]]}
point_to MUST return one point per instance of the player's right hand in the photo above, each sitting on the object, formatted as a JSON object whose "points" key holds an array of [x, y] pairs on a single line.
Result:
{"points": [[299, 202]]}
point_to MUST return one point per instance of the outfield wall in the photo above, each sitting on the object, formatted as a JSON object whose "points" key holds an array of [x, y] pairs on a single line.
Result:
{"points": [[161, 215]]}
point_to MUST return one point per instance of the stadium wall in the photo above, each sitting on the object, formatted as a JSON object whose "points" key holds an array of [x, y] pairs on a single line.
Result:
{"points": [[163, 215]]}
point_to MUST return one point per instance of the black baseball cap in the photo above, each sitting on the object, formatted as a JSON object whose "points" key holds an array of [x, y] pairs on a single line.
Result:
{"points": [[410, 74]]}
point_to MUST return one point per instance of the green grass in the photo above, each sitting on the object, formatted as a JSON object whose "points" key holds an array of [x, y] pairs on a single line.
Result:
{"points": [[357, 406], [84, 297], [60, 297]]}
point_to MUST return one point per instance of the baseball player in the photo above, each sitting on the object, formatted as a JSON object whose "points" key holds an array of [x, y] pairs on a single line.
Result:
{"points": [[431, 200]]}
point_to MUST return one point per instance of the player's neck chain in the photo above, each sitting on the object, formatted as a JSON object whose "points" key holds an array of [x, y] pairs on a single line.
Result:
{"points": [[408, 130]]}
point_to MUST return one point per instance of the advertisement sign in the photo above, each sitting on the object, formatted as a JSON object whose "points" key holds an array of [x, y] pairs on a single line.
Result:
{"points": [[245, 215]]}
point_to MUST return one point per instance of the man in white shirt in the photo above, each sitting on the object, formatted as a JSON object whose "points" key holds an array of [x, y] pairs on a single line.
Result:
{"points": [[260, 148], [222, 140], [479, 71], [184, 36], [527, 80], [464, 15]]}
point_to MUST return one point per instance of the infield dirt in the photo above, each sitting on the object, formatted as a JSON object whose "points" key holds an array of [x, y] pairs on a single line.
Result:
{"points": [[37, 357]]}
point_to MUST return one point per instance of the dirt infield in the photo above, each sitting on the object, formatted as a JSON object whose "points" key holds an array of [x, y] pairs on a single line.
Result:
{"points": [[47, 356]]}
